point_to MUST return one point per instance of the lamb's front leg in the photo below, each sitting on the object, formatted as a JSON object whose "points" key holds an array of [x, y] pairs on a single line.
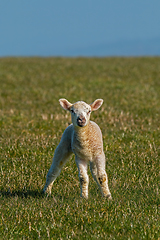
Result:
{"points": [[62, 153], [83, 177]]}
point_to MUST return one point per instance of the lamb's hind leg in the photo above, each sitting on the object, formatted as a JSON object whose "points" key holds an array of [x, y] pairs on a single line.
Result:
{"points": [[93, 169], [102, 177], [83, 177], [60, 157]]}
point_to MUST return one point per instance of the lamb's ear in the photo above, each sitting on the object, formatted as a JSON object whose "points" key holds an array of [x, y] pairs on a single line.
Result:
{"points": [[65, 104], [96, 104]]}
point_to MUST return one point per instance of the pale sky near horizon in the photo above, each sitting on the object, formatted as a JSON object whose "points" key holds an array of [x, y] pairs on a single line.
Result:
{"points": [[69, 27]]}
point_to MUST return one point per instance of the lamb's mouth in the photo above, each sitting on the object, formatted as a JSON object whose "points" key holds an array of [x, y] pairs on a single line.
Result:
{"points": [[80, 124]]}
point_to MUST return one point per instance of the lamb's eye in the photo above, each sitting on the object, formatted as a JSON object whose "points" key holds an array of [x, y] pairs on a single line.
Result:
{"points": [[89, 111]]}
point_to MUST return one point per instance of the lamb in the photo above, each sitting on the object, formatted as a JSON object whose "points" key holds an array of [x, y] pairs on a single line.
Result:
{"points": [[83, 138]]}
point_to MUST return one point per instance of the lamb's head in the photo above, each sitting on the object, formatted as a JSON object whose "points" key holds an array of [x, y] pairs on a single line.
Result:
{"points": [[80, 111]]}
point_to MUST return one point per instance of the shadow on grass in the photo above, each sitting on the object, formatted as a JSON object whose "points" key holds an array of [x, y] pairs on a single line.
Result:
{"points": [[22, 193]]}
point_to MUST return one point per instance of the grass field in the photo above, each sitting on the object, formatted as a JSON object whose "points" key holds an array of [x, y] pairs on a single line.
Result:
{"points": [[31, 126]]}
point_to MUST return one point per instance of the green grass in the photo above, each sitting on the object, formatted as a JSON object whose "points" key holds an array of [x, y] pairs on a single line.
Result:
{"points": [[31, 125]]}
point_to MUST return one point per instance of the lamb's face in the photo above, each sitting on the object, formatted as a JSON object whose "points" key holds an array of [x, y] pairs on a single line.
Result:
{"points": [[80, 113]]}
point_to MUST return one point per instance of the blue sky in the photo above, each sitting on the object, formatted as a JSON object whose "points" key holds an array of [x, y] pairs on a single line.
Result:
{"points": [[79, 28]]}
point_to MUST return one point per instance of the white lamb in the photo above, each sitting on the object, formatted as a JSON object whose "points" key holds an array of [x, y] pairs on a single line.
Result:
{"points": [[83, 138]]}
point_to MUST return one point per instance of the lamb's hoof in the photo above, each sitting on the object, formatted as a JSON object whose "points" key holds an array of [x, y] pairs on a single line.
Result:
{"points": [[84, 196], [47, 192], [109, 197]]}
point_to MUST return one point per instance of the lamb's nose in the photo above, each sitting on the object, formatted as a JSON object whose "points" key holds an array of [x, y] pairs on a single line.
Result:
{"points": [[81, 120]]}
